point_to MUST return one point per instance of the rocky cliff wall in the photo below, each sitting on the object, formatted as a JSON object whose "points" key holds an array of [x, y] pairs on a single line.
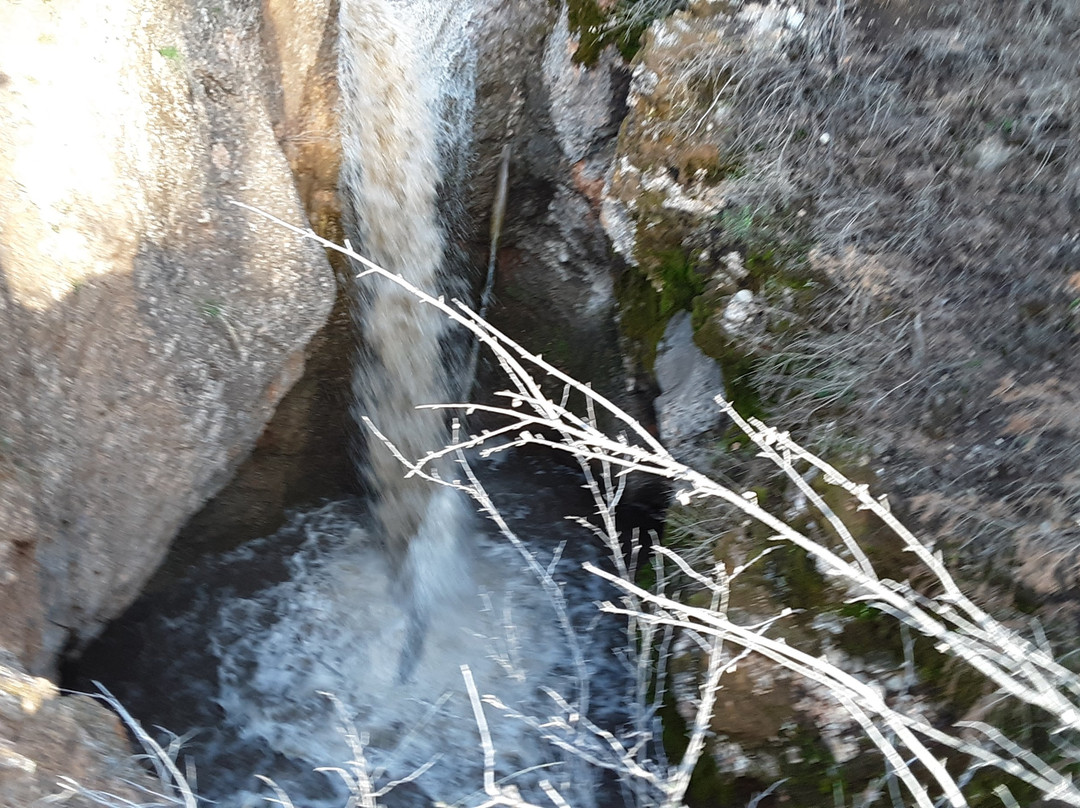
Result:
{"points": [[865, 214], [149, 327], [553, 284]]}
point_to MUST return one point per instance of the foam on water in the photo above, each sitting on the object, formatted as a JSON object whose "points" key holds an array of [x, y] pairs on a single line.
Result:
{"points": [[332, 624], [335, 627]]}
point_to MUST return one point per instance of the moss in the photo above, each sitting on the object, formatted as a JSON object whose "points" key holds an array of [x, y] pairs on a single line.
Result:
{"points": [[951, 683], [735, 363], [867, 633], [881, 545], [740, 388], [1033, 730], [679, 283], [1026, 600], [775, 250], [737, 369], [639, 316], [664, 282], [801, 585], [659, 242], [979, 792], [948, 680], [813, 773], [588, 21], [657, 141], [558, 351], [775, 245], [596, 27], [809, 774]]}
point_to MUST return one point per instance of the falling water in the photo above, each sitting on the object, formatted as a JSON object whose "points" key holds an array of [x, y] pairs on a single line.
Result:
{"points": [[406, 90], [394, 83]]}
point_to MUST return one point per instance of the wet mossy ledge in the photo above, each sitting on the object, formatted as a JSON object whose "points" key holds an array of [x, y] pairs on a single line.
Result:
{"points": [[684, 264], [694, 245], [598, 25]]}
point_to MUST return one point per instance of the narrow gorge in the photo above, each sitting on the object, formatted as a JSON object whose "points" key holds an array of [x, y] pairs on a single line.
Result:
{"points": [[853, 220], [356, 618]]}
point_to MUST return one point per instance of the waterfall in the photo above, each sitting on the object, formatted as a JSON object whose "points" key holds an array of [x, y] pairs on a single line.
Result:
{"points": [[406, 86], [381, 603]]}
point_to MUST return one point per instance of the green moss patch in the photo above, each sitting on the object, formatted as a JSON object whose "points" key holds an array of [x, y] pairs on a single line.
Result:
{"points": [[775, 244], [664, 282], [640, 316], [679, 283], [621, 24]]}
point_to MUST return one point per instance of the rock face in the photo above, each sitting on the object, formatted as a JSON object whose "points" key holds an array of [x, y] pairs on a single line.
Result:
{"points": [[61, 746], [304, 452], [554, 285], [148, 327]]}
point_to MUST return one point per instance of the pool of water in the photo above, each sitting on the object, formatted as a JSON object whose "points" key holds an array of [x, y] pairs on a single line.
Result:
{"points": [[285, 655]]}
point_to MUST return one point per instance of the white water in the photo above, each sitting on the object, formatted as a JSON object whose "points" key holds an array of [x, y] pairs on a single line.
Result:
{"points": [[334, 626], [241, 649]]}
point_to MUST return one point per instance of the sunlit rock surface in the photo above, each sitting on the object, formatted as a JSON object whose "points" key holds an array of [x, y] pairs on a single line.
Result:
{"points": [[148, 327]]}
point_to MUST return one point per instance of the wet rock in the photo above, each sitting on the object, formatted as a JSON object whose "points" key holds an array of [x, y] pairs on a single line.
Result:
{"points": [[662, 196], [554, 286], [580, 96], [742, 316], [689, 383], [991, 154], [299, 40]]}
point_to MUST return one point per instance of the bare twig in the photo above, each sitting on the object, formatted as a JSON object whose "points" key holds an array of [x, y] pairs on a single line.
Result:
{"points": [[1020, 668]]}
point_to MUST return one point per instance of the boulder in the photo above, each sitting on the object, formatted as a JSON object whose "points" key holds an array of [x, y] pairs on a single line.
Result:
{"points": [[60, 749], [148, 327], [689, 382]]}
